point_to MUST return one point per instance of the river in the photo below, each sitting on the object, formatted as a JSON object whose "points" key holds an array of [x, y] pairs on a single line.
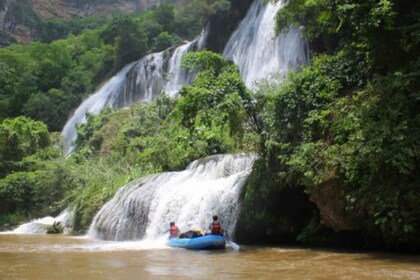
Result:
{"points": [[63, 257]]}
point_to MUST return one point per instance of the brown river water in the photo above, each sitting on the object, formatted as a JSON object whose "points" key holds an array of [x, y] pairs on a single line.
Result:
{"points": [[62, 257]]}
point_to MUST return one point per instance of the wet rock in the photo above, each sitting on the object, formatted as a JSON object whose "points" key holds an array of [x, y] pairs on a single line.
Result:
{"points": [[55, 228]]}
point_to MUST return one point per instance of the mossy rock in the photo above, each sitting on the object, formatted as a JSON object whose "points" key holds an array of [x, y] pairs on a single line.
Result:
{"points": [[55, 228]]}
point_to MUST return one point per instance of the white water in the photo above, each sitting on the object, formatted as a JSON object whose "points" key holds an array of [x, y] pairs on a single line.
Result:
{"points": [[258, 52], [140, 81], [144, 208], [40, 225], [177, 76], [94, 105], [253, 47]]}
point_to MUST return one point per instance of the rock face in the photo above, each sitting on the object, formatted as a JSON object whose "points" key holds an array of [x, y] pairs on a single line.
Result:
{"points": [[65, 9], [221, 26], [19, 20], [276, 218], [329, 199], [12, 28]]}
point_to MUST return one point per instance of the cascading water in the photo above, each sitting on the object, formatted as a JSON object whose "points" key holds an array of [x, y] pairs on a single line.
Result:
{"points": [[140, 81], [256, 49], [94, 104], [176, 74], [41, 225], [144, 208]]}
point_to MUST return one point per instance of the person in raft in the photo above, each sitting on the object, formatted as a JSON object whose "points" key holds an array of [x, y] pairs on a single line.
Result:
{"points": [[215, 227], [191, 234], [173, 230]]}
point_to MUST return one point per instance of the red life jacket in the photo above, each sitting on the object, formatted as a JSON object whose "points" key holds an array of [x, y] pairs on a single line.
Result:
{"points": [[216, 229], [174, 231]]}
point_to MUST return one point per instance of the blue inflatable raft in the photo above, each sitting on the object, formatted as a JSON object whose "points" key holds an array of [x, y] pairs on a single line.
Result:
{"points": [[206, 242]]}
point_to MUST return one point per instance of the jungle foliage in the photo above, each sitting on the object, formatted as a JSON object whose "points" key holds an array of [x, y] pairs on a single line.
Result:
{"points": [[352, 116], [211, 116], [26, 175], [46, 81], [349, 119]]}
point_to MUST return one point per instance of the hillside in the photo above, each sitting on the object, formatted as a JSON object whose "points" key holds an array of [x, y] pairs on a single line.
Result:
{"points": [[22, 21]]}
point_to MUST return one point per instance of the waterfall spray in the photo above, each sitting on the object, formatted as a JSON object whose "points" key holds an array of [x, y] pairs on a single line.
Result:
{"points": [[144, 208]]}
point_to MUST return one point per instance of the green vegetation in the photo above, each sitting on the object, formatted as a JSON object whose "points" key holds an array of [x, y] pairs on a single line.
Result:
{"points": [[27, 174], [196, 13], [54, 29], [117, 146], [46, 81], [120, 145], [345, 128], [350, 119]]}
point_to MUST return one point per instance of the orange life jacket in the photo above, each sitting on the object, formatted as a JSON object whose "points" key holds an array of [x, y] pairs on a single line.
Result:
{"points": [[216, 229], [174, 231]]}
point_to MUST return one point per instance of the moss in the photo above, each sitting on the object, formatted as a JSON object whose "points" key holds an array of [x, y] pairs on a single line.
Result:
{"points": [[270, 212]]}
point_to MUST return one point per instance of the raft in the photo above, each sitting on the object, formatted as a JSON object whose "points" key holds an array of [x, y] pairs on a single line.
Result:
{"points": [[206, 242]]}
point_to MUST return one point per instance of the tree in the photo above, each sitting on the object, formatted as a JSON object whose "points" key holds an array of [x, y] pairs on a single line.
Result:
{"points": [[217, 107], [130, 40], [21, 137], [350, 119], [52, 63], [17, 81], [165, 16], [163, 41], [361, 27], [191, 18]]}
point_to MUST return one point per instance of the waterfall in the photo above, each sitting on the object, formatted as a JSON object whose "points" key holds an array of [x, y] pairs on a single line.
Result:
{"points": [[41, 225], [176, 74], [94, 104], [139, 81], [142, 82], [143, 208], [256, 49]]}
